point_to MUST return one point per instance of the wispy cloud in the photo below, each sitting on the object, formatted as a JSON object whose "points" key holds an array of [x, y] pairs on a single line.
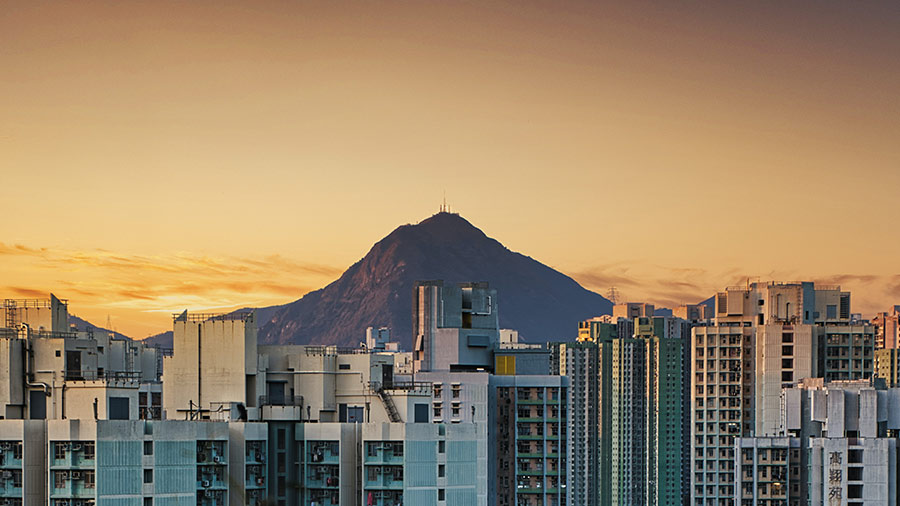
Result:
{"points": [[26, 292], [673, 286], [107, 282]]}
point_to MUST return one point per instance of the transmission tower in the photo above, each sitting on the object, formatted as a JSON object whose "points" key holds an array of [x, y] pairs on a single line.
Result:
{"points": [[613, 295]]}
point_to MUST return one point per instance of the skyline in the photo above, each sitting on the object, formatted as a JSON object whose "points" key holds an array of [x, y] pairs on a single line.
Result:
{"points": [[216, 284], [668, 151]]}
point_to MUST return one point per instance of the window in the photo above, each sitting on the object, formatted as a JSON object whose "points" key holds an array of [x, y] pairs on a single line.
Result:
{"points": [[59, 451], [421, 413], [58, 354], [148, 447], [89, 479], [441, 471], [440, 494], [148, 501], [148, 475], [119, 408], [89, 450], [59, 479], [344, 367], [442, 446]]}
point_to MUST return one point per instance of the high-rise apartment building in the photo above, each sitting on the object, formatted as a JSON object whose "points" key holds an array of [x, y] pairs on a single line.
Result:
{"points": [[764, 337], [631, 449], [579, 363], [887, 326], [887, 366], [838, 447], [528, 458]]}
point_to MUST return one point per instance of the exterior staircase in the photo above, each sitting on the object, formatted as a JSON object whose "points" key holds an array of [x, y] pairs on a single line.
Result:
{"points": [[389, 406]]}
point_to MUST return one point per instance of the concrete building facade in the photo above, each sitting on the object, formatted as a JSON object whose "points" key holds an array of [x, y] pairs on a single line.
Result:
{"points": [[765, 337], [455, 327], [528, 457], [50, 371]]}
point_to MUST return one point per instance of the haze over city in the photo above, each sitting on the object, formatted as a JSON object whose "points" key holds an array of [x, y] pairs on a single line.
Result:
{"points": [[211, 155]]}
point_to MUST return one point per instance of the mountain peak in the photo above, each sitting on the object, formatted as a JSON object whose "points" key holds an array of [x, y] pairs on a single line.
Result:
{"points": [[449, 227], [445, 218], [541, 303]]}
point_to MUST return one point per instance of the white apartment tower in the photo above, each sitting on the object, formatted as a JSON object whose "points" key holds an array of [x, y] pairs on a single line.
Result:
{"points": [[764, 337]]}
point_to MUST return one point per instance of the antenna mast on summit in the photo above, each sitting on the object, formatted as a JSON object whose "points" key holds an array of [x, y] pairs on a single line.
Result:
{"points": [[444, 207]]}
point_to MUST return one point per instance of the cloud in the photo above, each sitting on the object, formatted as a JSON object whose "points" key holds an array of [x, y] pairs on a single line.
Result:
{"points": [[101, 278], [28, 292], [672, 286], [19, 249]]}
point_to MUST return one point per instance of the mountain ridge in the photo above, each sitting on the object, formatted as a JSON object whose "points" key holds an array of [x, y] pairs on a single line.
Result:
{"points": [[538, 301]]}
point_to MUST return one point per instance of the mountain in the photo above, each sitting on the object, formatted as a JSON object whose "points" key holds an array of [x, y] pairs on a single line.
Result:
{"points": [[84, 325], [163, 340], [539, 302]]}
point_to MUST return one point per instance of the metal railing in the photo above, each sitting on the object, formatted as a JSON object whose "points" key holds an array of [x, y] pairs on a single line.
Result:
{"points": [[117, 376], [287, 400], [13, 333], [202, 317], [334, 350], [409, 386], [35, 303]]}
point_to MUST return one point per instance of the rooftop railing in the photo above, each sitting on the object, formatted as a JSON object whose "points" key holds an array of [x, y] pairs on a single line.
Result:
{"points": [[31, 303], [202, 317]]}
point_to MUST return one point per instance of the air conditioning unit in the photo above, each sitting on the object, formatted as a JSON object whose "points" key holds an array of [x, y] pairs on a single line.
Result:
{"points": [[76, 447], [205, 484], [258, 456], [217, 459], [76, 475], [4, 446]]}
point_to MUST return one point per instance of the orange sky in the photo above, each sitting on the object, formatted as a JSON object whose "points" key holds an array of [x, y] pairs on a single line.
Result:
{"points": [[157, 156]]}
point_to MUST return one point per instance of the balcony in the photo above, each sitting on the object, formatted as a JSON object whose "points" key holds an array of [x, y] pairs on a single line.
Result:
{"points": [[384, 477]]}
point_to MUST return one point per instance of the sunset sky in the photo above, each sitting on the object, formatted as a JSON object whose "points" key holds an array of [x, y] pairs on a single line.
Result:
{"points": [[157, 156]]}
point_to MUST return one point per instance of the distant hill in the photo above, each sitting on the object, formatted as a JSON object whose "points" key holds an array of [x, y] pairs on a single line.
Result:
{"points": [[163, 340], [541, 303], [84, 325]]}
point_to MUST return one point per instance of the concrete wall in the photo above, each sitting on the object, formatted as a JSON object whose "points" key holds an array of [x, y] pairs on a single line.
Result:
{"points": [[211, 363]]}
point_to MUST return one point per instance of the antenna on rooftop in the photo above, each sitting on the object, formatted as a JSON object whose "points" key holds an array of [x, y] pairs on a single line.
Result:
{"points": [[444, 207]]}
